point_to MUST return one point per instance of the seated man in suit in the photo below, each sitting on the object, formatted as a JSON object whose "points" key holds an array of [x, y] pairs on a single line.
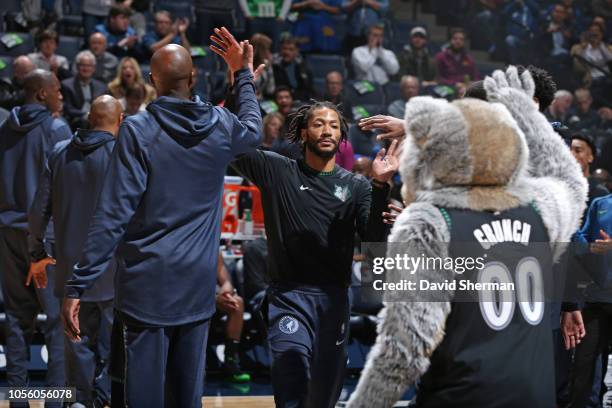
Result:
{"points": [[80, 90]]}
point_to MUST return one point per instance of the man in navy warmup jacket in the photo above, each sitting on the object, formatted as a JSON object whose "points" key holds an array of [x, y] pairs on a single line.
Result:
{"points": [[26, 139], [68, 192], [160, 213]]}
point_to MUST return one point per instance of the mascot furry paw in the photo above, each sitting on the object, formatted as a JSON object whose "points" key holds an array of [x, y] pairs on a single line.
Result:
{"points": [[470, 168]]}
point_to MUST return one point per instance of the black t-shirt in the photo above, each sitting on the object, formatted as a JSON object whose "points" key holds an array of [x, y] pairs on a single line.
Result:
{"points": [[311, 217], [496, 355]]}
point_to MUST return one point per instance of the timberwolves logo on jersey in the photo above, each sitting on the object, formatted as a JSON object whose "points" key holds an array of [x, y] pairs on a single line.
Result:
{"points": [[342, 193], [288, 325]]}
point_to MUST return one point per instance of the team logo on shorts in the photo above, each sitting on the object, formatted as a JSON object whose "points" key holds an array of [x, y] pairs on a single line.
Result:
{"points": [[288, 325]]}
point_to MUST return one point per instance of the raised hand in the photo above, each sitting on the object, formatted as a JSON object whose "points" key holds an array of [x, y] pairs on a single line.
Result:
{"points": [[235, 55], [38, 273], [509, 87], [386, 163], [393, 128]]}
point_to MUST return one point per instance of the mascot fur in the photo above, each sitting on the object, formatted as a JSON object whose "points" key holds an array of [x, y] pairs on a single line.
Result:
{"points": [[468, 154]]}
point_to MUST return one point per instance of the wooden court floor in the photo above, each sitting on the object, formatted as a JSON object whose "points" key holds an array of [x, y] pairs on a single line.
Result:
{"points": [[207, 402]]}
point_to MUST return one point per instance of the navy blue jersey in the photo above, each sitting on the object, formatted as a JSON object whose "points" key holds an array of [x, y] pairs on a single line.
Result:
{"points": [[496, 354], [68, 191], [26, 139], [160, 211]]}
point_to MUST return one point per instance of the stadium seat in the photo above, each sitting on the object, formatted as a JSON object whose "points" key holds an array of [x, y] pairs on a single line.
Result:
{"points": [[69, 47], [320, 65], [145, 70], [375, 97], [341, 23], [6, 67], [392, 92], [177, 9], [487, 68], [25, 47], [71, 24], [319, 86], [11, 6]]}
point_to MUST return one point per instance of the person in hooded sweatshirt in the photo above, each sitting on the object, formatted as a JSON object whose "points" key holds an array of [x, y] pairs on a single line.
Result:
{"points": [[159, 212], [26, 139], [68, 191]]}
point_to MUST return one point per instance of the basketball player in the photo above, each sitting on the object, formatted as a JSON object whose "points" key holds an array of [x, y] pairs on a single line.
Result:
{"points": [[469, 167], [312, 210], [26, 139], [160, 212], [68, 191]]}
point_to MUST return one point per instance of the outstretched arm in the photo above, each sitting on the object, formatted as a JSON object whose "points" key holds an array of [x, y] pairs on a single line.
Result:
{"points": [[550, 160], [411, 327]]}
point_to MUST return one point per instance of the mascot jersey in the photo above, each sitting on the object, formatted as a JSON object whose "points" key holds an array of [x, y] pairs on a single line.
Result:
{"points": [[479, 332]]}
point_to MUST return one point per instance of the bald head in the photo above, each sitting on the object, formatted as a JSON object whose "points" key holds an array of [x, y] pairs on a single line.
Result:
{"points": [[22, 66], [105, 114], [97, 44], [171, 71]]}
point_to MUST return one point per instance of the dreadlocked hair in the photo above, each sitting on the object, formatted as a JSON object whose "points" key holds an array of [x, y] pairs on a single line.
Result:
{"points": [[299, 120]]}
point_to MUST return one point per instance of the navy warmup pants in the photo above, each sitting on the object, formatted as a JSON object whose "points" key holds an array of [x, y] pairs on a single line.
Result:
{"points": [[157, 366], [307, 333], [22, 304], [87, 360]]}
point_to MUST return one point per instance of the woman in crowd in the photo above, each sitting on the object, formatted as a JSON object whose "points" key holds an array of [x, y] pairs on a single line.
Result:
{"points": [[262, 54], [128, 75]]}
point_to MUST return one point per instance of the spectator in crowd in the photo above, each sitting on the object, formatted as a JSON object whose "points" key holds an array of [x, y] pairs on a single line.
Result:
{"points": [[106, 63], [372, 62], [334, 92], [121, 38], [129, 74], [265, 17], [559, 110], [521, 24], [415, 60], [456, 67], [362, 14], [591, 61], [363, 166], [290, 69], [138, 20], [166, 32], [94, 13], [602, 8], [134, 100], [11, 90], [272, 125], [603, 176], [584, 117], [556, 36], [409, 87], [211, 14], [584, 151], [605, 115], [228, 302], [285, 102], [283, 97], [46, 58], [41, 15], [315, 28], [262, 54], [80, 90]]}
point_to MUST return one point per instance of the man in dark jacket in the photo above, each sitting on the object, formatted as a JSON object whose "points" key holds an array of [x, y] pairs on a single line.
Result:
{"points": [[26, 139], [160, 210], [68, 192], [290, 70], [11, 90], [80, 90]]}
